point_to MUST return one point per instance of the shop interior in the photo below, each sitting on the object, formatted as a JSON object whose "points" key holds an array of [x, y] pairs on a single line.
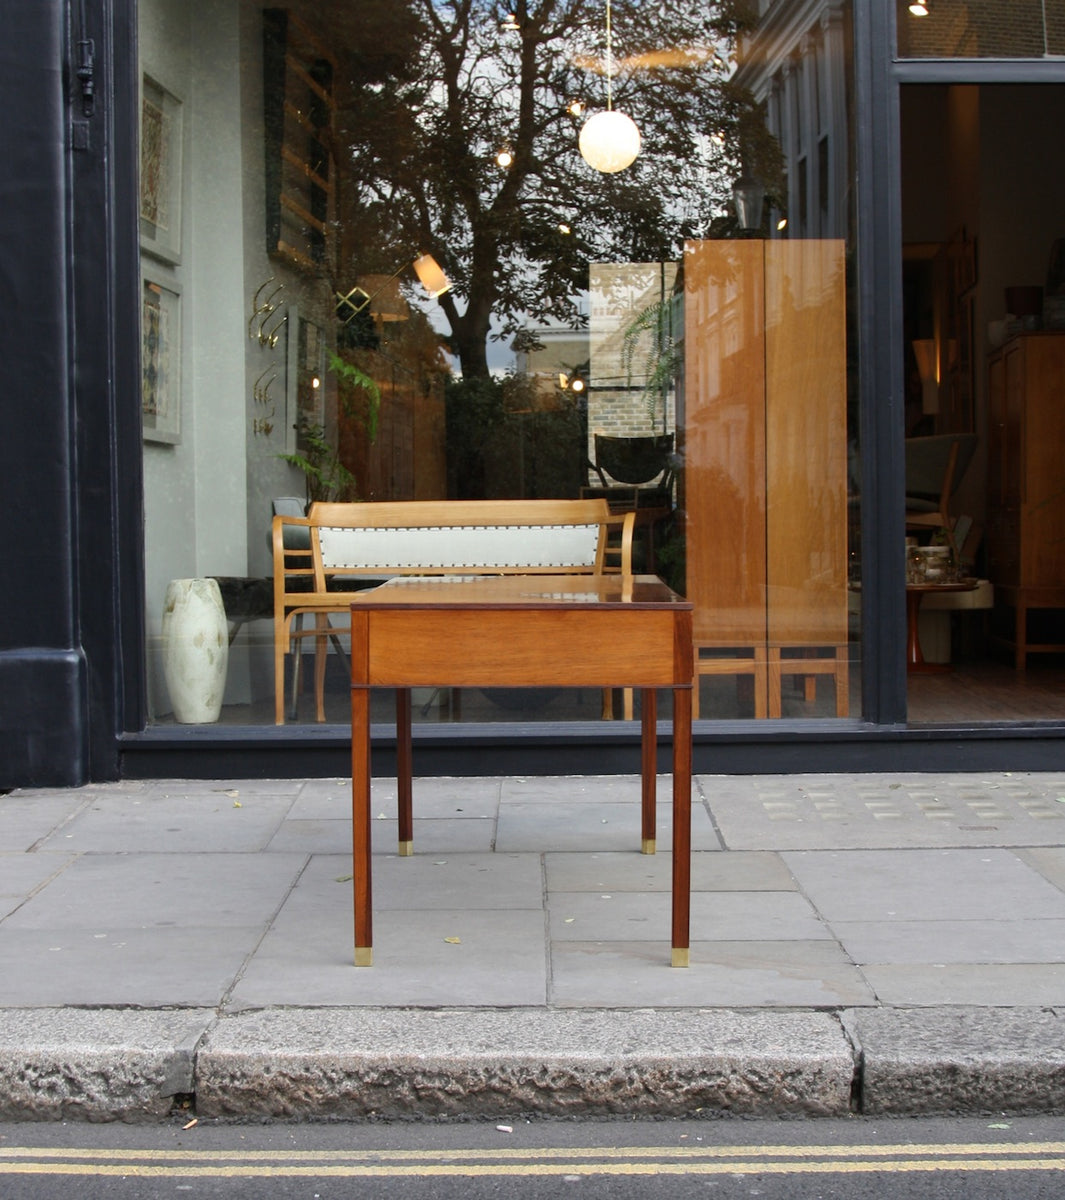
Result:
{"points": [[984, 316]]}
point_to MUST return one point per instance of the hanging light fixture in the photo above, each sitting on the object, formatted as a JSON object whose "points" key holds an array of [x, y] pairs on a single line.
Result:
{"points": [[609, 141], [430, 276], [748, 197], [919, 9]]}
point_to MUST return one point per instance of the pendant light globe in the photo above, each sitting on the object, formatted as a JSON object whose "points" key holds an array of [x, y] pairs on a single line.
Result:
{"points": [[609, 141]]}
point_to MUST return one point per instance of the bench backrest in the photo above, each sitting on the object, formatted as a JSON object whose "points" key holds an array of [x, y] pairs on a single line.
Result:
{"points": [[450, 537]]}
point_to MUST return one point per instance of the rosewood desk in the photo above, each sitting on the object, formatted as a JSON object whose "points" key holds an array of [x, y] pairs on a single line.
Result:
{"points": [[596, 631]]}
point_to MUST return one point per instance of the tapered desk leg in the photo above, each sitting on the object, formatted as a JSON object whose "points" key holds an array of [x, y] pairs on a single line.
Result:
{"points": [[682, 823], [360, 825], [648, 767], [404, 771]]}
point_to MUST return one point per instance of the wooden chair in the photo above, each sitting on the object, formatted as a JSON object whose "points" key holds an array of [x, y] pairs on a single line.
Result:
{"points": [[935, 466], [635, 474], [352, 546]]}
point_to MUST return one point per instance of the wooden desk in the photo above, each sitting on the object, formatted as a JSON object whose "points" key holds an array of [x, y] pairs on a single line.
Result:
{"points": [[915, 593], [521, 631]]}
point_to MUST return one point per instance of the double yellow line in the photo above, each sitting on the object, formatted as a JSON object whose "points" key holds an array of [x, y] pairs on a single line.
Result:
{"points": [[542, 1161]]}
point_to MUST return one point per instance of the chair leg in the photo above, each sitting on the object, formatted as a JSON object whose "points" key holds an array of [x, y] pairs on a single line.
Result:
{"points": [[280, 641], [843, 677], [321, 622], [283, 644], [297, 671]]}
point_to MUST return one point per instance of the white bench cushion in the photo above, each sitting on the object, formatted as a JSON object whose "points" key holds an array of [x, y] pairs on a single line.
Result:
{"points": [[446, 548]]}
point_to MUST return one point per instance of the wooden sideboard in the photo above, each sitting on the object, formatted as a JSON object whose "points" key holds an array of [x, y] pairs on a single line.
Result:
{"points": [[1026, 488], [764, 480]]}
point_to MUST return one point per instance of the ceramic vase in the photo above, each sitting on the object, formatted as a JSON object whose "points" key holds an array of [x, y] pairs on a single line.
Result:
{"points": [[195, 649]]}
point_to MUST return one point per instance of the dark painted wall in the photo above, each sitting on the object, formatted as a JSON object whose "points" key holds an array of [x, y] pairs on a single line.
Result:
{"points": [[65, 536], [42, 670]]}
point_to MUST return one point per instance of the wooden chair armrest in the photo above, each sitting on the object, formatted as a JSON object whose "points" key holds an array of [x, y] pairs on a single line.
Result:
{"points": [[625, 524]]}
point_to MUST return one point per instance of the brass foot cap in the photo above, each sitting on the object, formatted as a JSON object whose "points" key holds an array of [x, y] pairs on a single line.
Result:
{"points": [[648, 845], [406, 849], [364, 956], [680, 957]]}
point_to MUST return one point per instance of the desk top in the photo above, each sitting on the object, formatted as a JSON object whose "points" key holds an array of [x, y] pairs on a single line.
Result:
{"points": [[521, 591], [955, 585]]}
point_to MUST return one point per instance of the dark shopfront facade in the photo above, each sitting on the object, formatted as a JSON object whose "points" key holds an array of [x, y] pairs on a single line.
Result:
{"points": [[909, 175]]}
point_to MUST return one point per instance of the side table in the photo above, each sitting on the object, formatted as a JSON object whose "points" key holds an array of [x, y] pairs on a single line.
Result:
{"points": [[591, 631]]}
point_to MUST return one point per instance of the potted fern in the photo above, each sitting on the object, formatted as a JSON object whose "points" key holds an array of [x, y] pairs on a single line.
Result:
{"points": [[359, 397]]}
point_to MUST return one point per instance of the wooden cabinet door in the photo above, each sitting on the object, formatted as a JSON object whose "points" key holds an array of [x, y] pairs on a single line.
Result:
{"points": [[1036, 389], [806, 443], [1003, 468], [723, 441], [765, 442]]}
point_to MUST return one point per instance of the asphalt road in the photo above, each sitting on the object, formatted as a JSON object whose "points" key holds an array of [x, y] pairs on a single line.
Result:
{"points": [[984, 1159]]}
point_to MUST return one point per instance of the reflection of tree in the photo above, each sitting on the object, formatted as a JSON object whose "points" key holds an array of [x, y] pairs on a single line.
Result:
{"points": [[505, 442], [439, 86]]}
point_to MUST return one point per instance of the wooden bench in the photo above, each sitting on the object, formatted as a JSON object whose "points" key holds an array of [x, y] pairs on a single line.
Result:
{"points": [[323, 559]]}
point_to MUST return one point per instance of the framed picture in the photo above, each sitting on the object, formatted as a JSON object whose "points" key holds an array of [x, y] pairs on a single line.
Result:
{"points": [[305, 378], [160, 192], [160, 361]]}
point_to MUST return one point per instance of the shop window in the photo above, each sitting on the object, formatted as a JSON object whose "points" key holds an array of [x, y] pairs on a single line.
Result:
{"points": [[319, 151], [981, 28]]}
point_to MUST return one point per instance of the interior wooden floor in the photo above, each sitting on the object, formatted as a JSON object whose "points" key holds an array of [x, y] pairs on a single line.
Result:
{"points": [[982, 690]]}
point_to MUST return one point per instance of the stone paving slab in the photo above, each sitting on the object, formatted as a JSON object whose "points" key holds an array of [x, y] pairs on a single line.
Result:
{"points": [[767, 975], [824, 812]]}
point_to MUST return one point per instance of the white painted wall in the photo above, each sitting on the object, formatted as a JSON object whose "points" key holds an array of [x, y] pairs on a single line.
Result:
{"points": [[195, 506]]}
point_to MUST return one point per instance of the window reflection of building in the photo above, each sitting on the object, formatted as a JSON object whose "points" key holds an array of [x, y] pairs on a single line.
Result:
{"points": [[796, 64]]}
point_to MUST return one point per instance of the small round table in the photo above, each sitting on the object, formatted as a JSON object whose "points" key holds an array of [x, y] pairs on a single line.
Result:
{"points": [[915, 593]]}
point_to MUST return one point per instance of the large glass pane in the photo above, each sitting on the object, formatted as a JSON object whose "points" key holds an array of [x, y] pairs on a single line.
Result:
{"points": [[981, 28], [389, 254], [984, 316]]}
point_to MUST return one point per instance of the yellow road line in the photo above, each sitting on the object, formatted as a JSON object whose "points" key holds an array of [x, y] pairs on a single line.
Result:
{"points": [[839, 1160], [377, 1154], [431, 1170]]}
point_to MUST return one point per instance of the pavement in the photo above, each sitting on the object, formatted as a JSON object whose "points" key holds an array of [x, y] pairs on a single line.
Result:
{"points": [[861, 944]]}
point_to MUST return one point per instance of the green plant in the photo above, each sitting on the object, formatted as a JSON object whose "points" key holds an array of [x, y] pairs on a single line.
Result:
{"points": [[650, 336], [327, 478]]}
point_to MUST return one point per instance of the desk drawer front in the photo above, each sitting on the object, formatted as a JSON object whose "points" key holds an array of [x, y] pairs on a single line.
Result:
{"points": [[520, 648]]}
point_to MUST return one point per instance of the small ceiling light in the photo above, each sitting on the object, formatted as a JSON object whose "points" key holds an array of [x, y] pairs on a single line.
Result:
{"points": [[505, 158], [718, 138], [577, 384], [782, 224], [563, 227], [510, 22], [575, 108], [919, 9]]}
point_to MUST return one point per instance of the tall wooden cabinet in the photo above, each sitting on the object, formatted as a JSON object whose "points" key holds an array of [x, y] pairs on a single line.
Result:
{"points": [[1026, 486], [764, 487]]}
